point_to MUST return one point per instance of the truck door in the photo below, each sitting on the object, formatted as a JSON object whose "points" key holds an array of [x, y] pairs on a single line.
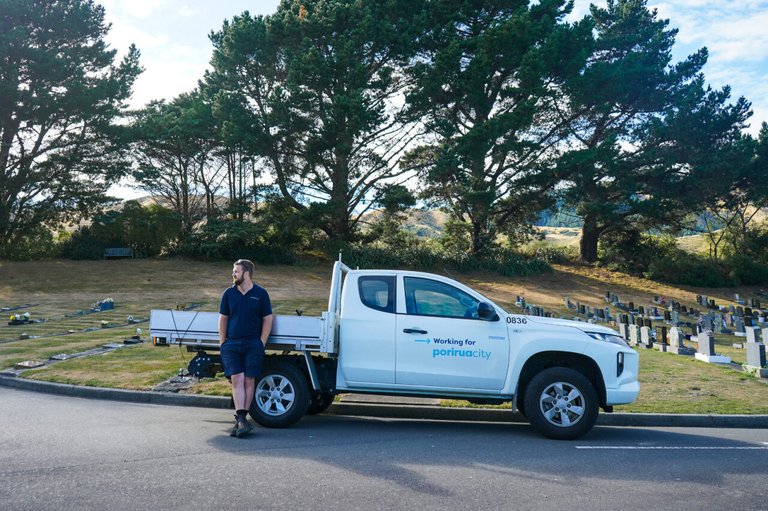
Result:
{"points": [[367, 343], [442, 343]]}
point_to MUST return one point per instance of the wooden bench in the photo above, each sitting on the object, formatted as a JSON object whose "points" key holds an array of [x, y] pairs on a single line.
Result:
{"points": [[118, 252]]}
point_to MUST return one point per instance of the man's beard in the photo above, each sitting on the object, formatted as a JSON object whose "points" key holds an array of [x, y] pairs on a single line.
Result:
{"points": [[237, 281]]}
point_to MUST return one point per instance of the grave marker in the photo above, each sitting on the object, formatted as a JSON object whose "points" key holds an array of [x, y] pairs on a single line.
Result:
{"points": [[645, 337], [706, 351]]}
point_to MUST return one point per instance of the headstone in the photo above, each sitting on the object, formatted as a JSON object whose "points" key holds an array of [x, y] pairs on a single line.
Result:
{"points": [[634, 335], [740, 311], [647, 322], [675, 318], [661, 338], [29, 364], [712, 304], [624, 319], [747, 311], [641, 310], [631, 306], [756, 359], [645, 337], [699, 299], [749, 321], [751, 333], [668, 316], [718, 322], [624, 331], [677, 342], [739, 326], [706, 351]]}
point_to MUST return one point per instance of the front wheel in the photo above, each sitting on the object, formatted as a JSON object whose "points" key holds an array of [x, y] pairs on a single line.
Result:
{"points": [[282, 395], [561, 403]]}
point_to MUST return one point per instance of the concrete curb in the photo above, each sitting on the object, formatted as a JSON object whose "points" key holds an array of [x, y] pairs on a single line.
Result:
{"points": [[392, 411], [131, 396]]}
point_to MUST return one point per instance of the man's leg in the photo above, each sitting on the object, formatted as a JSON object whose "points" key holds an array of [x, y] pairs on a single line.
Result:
{"points": [[249, 387], [239, 391], [242, 398]]}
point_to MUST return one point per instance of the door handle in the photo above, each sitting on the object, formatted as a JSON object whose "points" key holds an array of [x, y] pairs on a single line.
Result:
{"points": [[414, 331]]}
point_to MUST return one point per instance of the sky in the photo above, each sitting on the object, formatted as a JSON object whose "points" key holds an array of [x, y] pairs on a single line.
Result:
{"points": [[172, 36]]}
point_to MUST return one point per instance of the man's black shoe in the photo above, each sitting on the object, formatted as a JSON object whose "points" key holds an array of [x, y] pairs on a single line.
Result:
{"points": [[243, 427]]}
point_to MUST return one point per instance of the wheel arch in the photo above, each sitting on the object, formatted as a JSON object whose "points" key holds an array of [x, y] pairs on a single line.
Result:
{"points": [[576, 361]]}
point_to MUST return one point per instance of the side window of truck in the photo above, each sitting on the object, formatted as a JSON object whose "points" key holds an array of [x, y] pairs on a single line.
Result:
{"points": [[377, 292], [424, 297]]}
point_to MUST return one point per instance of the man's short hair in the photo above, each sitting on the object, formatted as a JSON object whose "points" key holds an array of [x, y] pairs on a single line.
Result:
{"points": [[246, 265]]}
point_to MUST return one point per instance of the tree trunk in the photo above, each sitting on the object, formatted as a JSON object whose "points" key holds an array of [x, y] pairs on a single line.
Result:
{"points": [[590, 234]]}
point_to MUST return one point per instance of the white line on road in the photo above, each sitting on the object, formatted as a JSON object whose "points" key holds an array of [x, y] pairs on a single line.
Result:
{"points": [[674, 447]]}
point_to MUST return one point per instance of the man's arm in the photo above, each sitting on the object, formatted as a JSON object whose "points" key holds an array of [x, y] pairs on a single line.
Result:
{"points": [[266, 328], [223, 322]]}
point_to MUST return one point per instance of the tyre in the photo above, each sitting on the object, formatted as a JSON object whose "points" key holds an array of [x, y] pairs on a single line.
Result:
{"points": [[282, 395], [320, 403], [561, 403]]}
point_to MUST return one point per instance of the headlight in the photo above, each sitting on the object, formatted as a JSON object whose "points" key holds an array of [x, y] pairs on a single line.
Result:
{"points": [[612, 338]]}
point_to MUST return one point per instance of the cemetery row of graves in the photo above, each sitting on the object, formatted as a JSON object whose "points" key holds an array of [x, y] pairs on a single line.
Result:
{"points": [[56, 333], [672, 327]]}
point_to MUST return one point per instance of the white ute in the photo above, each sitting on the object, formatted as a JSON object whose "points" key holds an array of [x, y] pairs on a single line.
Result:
{"points": [[409, 333]]}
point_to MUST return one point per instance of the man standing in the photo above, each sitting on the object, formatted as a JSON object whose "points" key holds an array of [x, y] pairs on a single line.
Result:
{"points": [[245, 321]]}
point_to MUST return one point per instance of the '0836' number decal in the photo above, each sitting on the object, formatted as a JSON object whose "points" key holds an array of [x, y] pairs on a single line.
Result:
{"points": [[516, 320]]}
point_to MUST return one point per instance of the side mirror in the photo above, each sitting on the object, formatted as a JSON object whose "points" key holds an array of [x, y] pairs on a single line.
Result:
{"points": [[486, 312]]}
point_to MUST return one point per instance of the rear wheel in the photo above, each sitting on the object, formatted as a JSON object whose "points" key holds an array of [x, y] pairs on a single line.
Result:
{"points": [[561, 403], [282, 395]]}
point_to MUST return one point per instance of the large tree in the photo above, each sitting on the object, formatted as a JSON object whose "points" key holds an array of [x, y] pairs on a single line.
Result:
{"points": [[61, 92], [640, 128], [486, 70], [316, 92], [173, 143], [729, 194]]}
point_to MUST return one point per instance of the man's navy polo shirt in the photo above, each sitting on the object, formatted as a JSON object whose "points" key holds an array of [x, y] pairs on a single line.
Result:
{"points": [[245, 311]]}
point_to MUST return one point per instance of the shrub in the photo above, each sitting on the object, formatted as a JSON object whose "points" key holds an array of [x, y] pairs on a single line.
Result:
{"points": [[234, 239]]}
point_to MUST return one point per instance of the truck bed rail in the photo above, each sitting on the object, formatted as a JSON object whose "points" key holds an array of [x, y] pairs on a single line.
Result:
{"points": [[200, 329]]}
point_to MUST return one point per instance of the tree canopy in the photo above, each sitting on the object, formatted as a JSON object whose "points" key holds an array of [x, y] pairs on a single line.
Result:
{"points": [[309, 118], [61, 92]]}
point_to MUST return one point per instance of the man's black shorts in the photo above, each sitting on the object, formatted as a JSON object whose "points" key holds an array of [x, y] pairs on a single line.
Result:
{"points": [[242, 356]]}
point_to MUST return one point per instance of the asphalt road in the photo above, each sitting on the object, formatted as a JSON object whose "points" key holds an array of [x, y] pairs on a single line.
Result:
{"points": [[63, 453]]}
